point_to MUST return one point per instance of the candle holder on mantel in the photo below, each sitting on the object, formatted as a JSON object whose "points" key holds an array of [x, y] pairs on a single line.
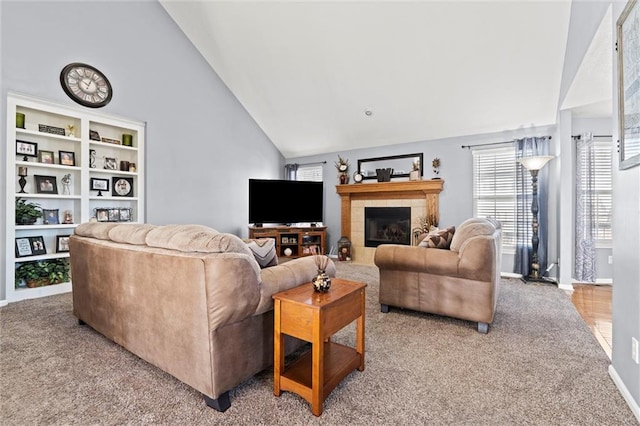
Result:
{"points": [[22, 172]]}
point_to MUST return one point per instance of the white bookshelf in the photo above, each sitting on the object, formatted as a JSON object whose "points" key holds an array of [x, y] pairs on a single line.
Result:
{"points": [[81, 201]]}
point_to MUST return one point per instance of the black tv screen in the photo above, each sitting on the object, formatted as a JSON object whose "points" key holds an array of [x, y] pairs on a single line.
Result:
{"points": [[285, 201]]}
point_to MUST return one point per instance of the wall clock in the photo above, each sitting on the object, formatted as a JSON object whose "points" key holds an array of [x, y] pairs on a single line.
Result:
{"points": [[86, 85]]}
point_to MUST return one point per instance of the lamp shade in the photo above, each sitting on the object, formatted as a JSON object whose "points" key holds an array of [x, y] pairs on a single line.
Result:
{"points": [[536, 162]]}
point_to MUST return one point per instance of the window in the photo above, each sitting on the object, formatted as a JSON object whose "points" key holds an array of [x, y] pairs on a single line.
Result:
{"points": [[494, 189], [601, 192], [309, 173]]}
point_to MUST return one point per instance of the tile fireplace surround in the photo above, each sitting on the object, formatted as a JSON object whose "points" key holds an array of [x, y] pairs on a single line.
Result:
{"points": [[422, 196]]}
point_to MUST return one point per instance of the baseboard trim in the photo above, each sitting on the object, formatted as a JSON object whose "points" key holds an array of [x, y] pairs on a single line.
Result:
{"points": [[510, 275], [568, 287], [3, 303], [633, 405]]}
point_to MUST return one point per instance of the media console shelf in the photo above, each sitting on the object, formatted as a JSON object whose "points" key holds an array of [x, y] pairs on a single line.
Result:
{"points": [[302, 241]]}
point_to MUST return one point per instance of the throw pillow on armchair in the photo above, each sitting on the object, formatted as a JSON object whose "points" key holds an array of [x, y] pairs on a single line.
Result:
{"points": [[439, 238]]}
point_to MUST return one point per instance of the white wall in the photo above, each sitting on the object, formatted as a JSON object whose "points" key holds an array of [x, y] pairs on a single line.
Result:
{"points": [[202, 146]]}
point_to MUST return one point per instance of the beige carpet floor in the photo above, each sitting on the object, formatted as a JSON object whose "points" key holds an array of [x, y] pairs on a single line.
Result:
{"points": [[538, 365]]}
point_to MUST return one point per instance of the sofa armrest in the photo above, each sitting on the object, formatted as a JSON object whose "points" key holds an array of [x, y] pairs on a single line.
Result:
{"points": [[288, 275], [479, 258], [416, 259]]}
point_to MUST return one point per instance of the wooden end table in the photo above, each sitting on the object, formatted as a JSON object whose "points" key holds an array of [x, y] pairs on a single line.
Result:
{"points": [[314, 317]]}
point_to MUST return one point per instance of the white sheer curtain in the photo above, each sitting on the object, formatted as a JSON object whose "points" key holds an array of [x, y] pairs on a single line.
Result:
{"points": [[585, 248]]}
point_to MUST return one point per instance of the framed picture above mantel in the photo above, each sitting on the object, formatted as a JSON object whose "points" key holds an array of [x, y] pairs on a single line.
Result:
{"points": [[400, 165]]}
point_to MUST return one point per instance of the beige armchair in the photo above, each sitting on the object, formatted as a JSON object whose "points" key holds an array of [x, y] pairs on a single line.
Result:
{"points": [[460, 282]]}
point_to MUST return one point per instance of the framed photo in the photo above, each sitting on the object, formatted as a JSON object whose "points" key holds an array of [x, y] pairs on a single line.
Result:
{"points": [[29, 149], [628, 32], [62, 243], [46, 184], [23, 247], [50, 217], [125, 215], [110, 163], [67, 158], [114, 215], [122, 186], [99, 185], [45, 157], [94, 136], [102, 215]]}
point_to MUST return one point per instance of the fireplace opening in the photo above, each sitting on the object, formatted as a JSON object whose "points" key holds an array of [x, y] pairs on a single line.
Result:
{"points": [[387, 225]]}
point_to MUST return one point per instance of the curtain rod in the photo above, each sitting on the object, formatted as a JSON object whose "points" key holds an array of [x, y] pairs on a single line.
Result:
{"points": [[492, 143], [306, 164], [595, 136]]}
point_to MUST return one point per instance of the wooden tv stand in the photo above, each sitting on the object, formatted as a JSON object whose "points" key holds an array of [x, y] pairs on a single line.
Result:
{"points": [[302, 241]]}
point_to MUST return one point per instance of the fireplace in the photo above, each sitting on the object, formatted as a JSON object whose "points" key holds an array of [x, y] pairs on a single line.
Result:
{"points": [[387, 225]]}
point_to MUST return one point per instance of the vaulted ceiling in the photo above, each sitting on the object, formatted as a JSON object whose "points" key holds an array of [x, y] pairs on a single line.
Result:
{"points": [[326, 76]]}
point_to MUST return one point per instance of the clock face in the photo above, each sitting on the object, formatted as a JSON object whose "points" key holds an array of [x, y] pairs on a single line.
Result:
{"points": [[86, 85], [357, 177]]}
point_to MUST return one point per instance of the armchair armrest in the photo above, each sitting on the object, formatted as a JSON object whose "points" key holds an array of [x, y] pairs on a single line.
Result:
{"points": [[416, 259]]}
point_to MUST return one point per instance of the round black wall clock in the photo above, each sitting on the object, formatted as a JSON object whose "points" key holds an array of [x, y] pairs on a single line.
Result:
{"points": [[86, 85]]}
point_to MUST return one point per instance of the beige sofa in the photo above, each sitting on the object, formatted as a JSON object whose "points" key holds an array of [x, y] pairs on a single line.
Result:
{"points": [[460, 282], [185, 298]]}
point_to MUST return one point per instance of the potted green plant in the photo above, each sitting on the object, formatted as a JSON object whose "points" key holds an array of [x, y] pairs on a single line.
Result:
{"points": [[43, 272], [27, 212]]}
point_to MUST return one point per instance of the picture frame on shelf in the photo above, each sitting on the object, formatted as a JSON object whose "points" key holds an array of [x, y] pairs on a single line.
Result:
{"points": [[28, 149], [23, 247], [94, 136], [67, 158], [37, 245], [46, 157], [50, 216], [114, 215], [112, 141], [46, 184], [62, 243], [627, 46], [102, 215], [110, 163], [97, 184], [44, 128], [122, 186], [125, 215]]}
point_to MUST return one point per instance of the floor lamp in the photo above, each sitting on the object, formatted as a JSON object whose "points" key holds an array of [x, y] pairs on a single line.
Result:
{"points": [[534, 164]]}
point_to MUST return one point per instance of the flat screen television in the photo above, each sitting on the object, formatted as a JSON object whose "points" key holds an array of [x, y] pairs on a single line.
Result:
{"points": [[285, 202]]}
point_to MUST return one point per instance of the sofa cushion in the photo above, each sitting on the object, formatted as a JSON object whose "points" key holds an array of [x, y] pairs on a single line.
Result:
{"points": [[134, 233], [439, 238], [264, 250], [471, 228], [195, 238], [97, 230]]}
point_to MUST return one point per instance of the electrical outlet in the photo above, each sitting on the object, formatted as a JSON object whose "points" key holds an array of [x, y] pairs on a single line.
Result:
{"points": [[634, 350], [610, 260]]}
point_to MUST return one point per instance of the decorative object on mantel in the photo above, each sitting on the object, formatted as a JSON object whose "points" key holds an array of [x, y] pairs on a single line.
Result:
{"points": [[436, 167], [401, 165], [342, 165], [384, 175], [415, 173], [357, 177], [321, 282]]}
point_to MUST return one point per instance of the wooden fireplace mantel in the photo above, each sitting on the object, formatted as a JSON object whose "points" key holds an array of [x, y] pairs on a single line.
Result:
{"points": [[427, 189]]}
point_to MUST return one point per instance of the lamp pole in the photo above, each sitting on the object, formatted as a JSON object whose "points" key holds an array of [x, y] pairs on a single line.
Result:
{"points": [[534, 164]]}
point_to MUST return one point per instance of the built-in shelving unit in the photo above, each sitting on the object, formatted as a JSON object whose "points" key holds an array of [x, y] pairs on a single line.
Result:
{"points": [[73, 148]]}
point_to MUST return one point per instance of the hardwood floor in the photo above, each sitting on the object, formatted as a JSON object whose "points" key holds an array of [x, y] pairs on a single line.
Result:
{"points": [[593, 303]]}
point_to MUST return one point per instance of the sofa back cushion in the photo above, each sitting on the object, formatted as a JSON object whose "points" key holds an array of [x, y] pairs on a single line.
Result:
{"points": [[471, 228], [134, 233], [99, 230], [195, 238]]}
